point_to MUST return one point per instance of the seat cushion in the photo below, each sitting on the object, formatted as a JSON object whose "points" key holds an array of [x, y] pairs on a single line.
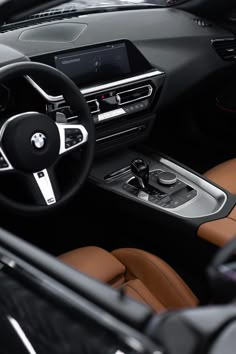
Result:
{"points": [[224, 175], [143, 276], [157, 276], [95, 262]]}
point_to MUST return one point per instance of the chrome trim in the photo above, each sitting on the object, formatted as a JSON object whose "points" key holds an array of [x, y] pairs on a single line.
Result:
{"points": [[94, 89], [111, 114], [121, 82], [3, 128], [6, 261], [61, 128], [121, 133], [167, 182], [47, 97], [72, 118], [98, 106], [10, 167], [200, 182], [116, 174], [119, 99], [222, 39], [21, 334], [45, 186]]}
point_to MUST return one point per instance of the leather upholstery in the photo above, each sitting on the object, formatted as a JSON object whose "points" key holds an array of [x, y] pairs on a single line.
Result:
{"points": [[224, 175], [144, 277], [219, 232], [95, 262]]}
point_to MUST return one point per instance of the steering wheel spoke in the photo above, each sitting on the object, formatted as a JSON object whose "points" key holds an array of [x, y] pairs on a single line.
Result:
{"points": [[46, 191], [5, 164], [71, 136]]}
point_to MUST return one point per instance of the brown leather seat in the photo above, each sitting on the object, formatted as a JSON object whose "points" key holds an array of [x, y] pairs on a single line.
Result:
{"points": [[224, 175], [144, 277]]}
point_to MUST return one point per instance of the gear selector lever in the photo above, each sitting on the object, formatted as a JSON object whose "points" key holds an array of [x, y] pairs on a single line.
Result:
{"points": [[140, 170]]}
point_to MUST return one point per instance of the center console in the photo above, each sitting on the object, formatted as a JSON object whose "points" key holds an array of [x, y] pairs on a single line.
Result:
{"points": [[158, 183]]}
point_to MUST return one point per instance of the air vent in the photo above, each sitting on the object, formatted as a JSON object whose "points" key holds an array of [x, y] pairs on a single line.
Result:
{"points": [[94, 106], [60, 10], [133, 95], [225, 48], [202, 22]]}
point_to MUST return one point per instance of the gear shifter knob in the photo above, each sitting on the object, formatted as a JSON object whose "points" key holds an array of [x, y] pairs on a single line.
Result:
{"points": [[140, 170]]}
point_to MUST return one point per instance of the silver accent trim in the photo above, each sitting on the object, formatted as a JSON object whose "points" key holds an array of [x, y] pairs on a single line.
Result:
{"points": [[94, 89], [98, 106], [140, 181], [223, 39], [62, 127], [117, 174], [10, 167], [111, 114], [3, 128], [119, 99], [213, 191], [122, 82], [45, 186], [6, 261], [47, 97], [21, 334], [121, 133], [166, 182], [72, 118]]}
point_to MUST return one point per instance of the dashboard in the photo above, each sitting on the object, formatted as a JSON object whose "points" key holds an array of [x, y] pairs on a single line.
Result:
{"points": [[127, 64]]}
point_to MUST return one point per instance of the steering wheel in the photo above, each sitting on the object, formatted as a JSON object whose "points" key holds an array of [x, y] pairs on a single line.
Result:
{"points": [[32, 143]]}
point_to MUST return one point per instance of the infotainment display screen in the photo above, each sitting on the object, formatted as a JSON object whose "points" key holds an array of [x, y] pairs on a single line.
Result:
{"points": [[95, 65]]}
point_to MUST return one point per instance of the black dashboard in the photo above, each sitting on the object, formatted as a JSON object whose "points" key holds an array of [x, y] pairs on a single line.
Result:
{"points": [[127, 64]]}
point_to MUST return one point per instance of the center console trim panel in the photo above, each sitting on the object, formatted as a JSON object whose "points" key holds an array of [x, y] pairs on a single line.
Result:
{"points": [[211, 197]]}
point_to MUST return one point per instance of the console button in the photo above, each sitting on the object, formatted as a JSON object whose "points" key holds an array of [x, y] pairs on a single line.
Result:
{"points": [[167, 178]]}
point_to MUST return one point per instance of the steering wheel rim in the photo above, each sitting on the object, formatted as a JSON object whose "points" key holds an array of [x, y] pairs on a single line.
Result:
{"points": [[79, 106]]}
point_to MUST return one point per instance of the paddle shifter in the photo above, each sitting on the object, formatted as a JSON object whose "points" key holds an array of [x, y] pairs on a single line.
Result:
{"points": [[140, 170]]}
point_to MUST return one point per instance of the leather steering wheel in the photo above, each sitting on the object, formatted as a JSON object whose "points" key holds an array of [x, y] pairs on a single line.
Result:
{"points": [[32, 143]]}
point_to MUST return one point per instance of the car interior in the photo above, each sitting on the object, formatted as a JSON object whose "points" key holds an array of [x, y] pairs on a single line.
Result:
{"points": [[118, 151]]}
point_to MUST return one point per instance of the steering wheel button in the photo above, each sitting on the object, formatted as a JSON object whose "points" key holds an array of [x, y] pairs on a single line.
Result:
{"points": [[40, 174], [68, 145]]}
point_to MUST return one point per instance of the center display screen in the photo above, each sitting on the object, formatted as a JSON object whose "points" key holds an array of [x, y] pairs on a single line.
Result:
{"points": [[95, 65]]}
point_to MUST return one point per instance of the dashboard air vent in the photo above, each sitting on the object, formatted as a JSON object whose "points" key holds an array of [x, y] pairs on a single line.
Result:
{"points": [[60, 10], [225, 48], [136, 94], [202, 22], [94, 106]]}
